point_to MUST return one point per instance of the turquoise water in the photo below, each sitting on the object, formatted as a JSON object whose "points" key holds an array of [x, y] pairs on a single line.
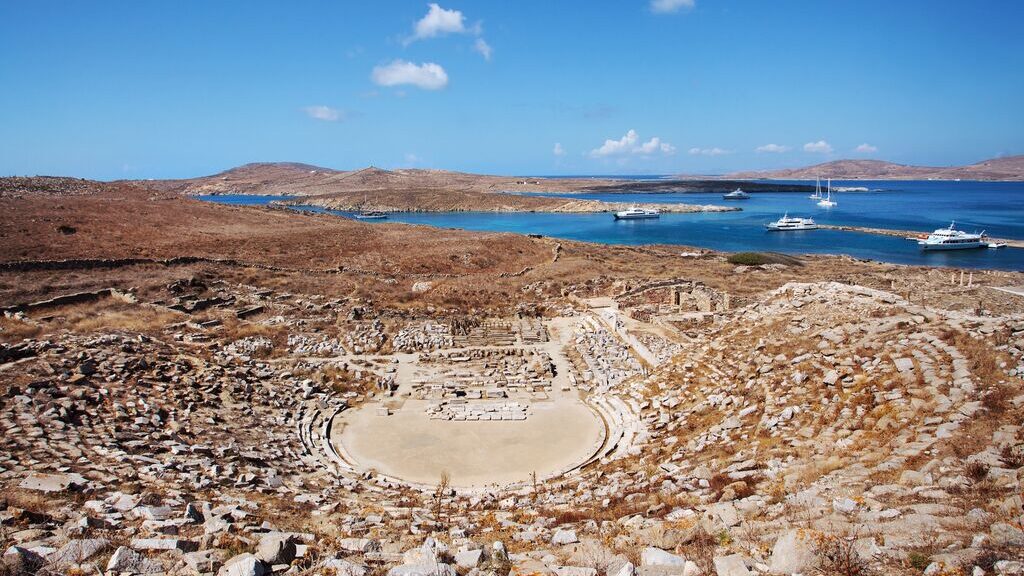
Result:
{"points": [[997, 207]]}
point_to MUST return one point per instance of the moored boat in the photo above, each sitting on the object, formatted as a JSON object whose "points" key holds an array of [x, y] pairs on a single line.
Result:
{"points": [[371, 215], [827, 201], [737, 194], [953, 239], [786, 223], [637, 213], [817, 190]]}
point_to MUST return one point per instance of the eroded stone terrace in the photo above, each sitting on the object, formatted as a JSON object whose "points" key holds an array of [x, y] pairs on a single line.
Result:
{"points": [[818, 416]]}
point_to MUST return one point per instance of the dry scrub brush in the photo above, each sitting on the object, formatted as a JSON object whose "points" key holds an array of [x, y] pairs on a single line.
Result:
{"points": [[838, 556]]}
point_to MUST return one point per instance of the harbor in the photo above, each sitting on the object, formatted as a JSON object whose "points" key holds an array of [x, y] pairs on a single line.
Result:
{"points": [[870, 225]]}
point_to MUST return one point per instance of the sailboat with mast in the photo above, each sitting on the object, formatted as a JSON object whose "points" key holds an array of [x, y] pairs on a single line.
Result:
{"points": [[365, 214], [817, 189], [827, 201]]}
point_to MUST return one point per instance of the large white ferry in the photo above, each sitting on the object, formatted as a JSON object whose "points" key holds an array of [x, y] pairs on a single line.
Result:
{"points": [[637, 213], [952, 239], [786, 223]]}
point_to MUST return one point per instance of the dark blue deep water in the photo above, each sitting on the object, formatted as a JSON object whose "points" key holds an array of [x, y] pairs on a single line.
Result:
{"points": [[996, 207]]}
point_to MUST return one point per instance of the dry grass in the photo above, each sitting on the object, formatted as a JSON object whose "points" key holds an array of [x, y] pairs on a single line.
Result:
{"points": [[234, 329], [837, 556], [109, 314], [976, 471], [1012, 458], [31, 502], [983, 359], [701, 550], [14, 330], [142, 319]]}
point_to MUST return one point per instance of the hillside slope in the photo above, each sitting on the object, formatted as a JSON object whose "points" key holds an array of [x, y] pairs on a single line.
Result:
{"points": [[1008, 168]]}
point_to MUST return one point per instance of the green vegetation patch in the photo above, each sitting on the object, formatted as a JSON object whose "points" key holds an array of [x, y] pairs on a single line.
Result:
{"points": [[762, 258]]}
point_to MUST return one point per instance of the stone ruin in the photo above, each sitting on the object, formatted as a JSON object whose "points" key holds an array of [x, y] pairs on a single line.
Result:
{"points": [[485, 373], [461, 410], [648, 301]]}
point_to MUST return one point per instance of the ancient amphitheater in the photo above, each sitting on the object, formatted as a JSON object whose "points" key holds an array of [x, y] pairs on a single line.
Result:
{"points": [[669, 429]]}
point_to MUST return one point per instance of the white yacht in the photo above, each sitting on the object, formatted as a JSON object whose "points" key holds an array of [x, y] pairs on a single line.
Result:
{"points": [[637, 213], [786, 223], [827, 202], [737, 194], [817, 190], [952, 239]]}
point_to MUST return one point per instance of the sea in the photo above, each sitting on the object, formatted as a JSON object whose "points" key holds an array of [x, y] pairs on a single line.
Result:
{"points": [[921, 206]]}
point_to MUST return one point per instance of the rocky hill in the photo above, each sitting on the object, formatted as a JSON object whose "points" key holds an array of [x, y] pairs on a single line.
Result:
{"points": [[19, 186], [292, 179], [1008, 168]]}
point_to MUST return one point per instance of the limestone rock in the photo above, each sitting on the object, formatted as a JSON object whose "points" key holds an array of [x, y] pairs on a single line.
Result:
{"points": [[731, 565], [793, 552], [276, 549], [575, 571], [469, 558], [205, 561], [627, 569], [52, 482], [243, 565], [19, 560], [127, 560], [359, 545], [659, 557], [424, 569], [563, 537], [1007, 535], [78, 551], [340, 567]]}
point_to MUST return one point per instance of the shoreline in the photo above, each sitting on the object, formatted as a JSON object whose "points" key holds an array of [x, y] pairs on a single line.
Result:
{"points": [[567, 207]]}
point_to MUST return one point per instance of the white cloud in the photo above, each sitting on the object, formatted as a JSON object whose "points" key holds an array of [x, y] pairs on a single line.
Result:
{"points": [[669, 6], [866, 148], [438, 22], [325, 113], [819, 147], [441, 22], [772, 148], [631, 144], [428, 76], [558, 149], [709, 151], [483, 48]]}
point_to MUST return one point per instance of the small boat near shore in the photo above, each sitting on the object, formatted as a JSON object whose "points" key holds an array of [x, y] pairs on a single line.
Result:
{"points": [[953, 239], [737, 194], [365, 214], [995, 245], [786, 224], [637, 213]]}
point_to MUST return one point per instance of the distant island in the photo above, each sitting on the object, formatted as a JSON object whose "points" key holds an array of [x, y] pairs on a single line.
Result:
{"points": [[418, 190], [1008, 168]]}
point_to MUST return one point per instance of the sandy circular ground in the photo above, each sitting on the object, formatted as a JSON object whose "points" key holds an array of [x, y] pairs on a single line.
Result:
{"points": [[410, 446]]}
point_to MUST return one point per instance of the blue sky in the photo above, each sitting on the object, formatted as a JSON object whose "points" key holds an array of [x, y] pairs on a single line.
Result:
{"points": [[144, 88]]}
